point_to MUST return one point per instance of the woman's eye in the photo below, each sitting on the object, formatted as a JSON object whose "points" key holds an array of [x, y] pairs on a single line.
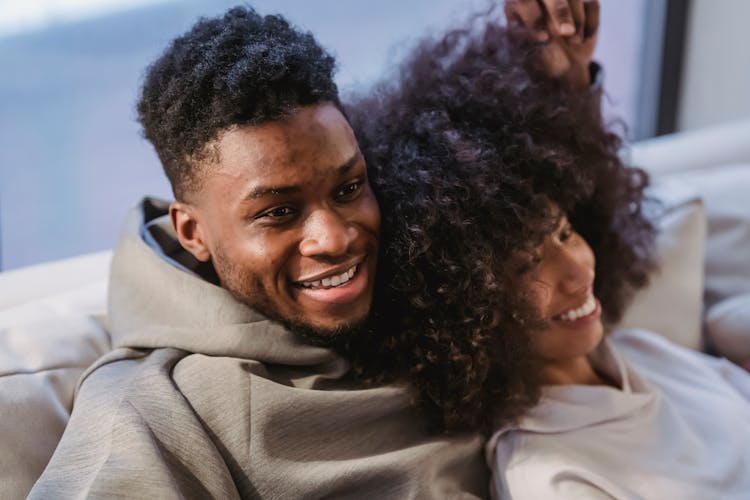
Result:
{"points": [[566, 234], [536, 259], [528, 264]]}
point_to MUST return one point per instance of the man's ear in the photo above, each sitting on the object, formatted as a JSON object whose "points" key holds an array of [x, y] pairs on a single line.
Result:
{"points": [[189, 230]]}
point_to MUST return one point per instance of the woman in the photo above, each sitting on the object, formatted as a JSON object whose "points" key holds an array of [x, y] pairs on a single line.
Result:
{"points": [[514, 236]]}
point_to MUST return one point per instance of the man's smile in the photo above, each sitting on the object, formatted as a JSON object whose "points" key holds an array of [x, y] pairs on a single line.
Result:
{"points": [[335, 280], [332, 276], [338, 286]]}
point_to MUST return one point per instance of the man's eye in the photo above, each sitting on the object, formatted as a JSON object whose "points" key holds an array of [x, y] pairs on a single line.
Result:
{"points": [[277, 213], [349, 191]]}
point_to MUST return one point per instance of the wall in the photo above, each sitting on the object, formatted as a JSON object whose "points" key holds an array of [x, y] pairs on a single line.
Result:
{"points": [[716, 80], [71, 157], [620, 50]]}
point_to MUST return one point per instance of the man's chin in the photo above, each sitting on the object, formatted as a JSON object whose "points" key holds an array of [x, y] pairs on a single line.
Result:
{"points": [[334, 336]]}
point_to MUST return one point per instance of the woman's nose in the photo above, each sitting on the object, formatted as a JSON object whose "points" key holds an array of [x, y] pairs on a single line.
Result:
{"points": [[576, 268]]}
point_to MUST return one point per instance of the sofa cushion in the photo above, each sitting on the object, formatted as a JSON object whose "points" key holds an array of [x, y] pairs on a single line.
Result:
{"points": [[724, 190], [694, 150], [20, 286], [728, 326], [672, 303], [45, 345]]}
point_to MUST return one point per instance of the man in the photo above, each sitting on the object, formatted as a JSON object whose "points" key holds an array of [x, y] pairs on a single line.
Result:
{"points": [[224, 304]]}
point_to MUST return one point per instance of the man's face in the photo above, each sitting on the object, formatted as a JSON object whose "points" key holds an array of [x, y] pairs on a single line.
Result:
{"points": [[287, 217]]}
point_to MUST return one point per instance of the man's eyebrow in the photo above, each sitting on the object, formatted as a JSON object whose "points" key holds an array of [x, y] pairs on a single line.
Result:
{"points": [[261, 191], [349, 164]]}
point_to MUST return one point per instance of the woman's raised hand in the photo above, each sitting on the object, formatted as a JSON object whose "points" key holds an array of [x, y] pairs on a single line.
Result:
{"points": [[566, 31]]}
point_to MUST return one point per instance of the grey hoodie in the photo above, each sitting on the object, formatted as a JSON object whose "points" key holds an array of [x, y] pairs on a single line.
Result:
{"points": [[204, 398]]}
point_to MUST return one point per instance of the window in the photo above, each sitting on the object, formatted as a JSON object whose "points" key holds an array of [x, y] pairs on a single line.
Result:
{"points": [[71, 157]]}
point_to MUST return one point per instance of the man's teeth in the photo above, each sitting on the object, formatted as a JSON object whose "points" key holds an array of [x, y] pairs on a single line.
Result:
{"points": [[582, 311], [337, 280]]}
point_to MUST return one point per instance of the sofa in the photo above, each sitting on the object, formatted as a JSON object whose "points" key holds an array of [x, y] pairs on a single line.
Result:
{"points": [[53, 321]]}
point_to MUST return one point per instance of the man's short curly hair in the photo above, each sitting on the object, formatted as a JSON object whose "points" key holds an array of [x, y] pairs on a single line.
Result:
{"points": [[238, 69], [466, 152]]}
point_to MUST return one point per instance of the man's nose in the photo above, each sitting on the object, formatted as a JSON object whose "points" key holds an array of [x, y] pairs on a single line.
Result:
{"points": [[327, 233]]}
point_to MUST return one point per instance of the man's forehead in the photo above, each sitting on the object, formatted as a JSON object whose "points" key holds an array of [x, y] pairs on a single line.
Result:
{"points": [[261, 186], [316, 137]]}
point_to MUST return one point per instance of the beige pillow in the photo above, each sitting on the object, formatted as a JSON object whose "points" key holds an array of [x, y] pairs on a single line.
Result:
{"points": [[45, 345], [672, 303]]}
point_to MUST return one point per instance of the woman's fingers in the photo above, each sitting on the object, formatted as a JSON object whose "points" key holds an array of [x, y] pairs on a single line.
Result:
{"points": [[528, 14], [591, 24], [560, 17]]}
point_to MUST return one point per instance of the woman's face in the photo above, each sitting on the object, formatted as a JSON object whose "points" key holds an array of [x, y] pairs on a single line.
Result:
{"points": [[559, 281]]}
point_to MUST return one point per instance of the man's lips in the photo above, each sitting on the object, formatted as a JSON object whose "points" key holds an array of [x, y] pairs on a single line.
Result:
{"points": [[339, 271], [336, 287]]}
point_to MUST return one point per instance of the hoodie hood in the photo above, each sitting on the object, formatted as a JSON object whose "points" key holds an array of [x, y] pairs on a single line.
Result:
{"points": [[157, 300], [204, 397], [566, 408]]}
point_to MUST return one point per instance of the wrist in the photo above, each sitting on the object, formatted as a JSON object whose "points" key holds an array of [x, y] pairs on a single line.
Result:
{"points": [[578, 77]]}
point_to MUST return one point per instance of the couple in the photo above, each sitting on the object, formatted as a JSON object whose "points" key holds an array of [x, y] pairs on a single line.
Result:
{"points": [[281, 332]]}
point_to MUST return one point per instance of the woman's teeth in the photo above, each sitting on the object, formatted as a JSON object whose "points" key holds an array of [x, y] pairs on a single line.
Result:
{"points": [[337, 280], [584, 310]]}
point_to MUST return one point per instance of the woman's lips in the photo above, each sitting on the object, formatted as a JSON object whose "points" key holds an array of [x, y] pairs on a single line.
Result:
{"points": [[588, 312]]}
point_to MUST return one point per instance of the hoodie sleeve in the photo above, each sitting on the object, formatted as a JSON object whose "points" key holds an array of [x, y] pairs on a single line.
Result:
{"points": [[138, 439]]}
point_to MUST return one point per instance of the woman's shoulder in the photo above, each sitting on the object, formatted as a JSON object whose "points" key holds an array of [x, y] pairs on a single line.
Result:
{"points": [[645, 345]]}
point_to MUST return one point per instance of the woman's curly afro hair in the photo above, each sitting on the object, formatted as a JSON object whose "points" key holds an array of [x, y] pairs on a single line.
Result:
{"points": [[467, 150], [238, 69]]}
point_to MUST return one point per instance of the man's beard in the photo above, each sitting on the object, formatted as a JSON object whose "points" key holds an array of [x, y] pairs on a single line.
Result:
{"points": [[335, 338], [249, 290]]}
